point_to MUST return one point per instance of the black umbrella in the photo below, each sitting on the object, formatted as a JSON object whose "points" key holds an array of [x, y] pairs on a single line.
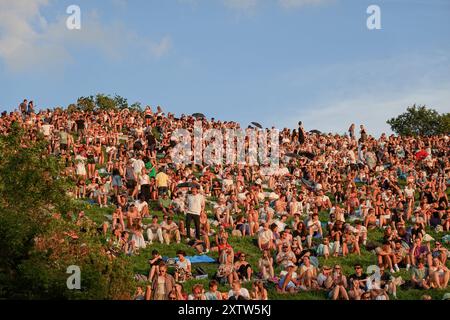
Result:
{"points": [[188, 185], [293, 155], [307, 154], [256, 124], [198, 115], [315, 131]]}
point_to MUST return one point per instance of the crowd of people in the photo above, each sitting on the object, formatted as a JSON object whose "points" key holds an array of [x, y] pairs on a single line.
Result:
{"points": [[329, 194]]}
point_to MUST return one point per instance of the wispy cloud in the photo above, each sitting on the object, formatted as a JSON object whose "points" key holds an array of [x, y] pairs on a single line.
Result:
{"points": [[371, 110], [29, 41], [368, 91]]}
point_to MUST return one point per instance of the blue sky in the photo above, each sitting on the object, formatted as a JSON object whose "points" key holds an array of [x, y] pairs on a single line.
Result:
{"points": [[271, 61]]}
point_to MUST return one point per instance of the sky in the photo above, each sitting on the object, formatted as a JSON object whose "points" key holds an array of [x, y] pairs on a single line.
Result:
{"points": [[276, 62]]}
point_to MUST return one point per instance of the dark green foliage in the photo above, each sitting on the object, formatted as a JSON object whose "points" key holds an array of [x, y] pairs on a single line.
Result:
{"points": [[38, 241], [420, 121]]}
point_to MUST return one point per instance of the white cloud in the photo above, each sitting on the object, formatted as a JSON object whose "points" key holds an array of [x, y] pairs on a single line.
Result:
{"points": [[28, 41], [161, 48], [367, 92], [371, 110]]}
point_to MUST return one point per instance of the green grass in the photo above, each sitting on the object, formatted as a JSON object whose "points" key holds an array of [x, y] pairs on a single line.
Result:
{"points": [[248, 245]]}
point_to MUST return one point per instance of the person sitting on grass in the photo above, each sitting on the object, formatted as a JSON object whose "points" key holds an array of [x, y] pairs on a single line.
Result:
{"points": [[265, 238], [379, 285], [258, 291], [285, 257], [197, 293], [401, 256], [237, 292], [359, 275], [439, 274], [154, 264], [350, 243], [420, 276], [307, 275], [170, 230], [324, 248], [242, 226], [288, 279], [324, 278], [420, 251], [265, 264], [166, 205], [226, 263], [243, 268], [213, 293], [183, 269], [360, 233], [314, 229], [339, 285], [385, 256], [440, 252], [154, 231], [356, 292]]}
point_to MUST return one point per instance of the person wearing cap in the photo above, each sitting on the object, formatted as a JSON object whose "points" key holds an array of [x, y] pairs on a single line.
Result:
{"points": [[285, 256], [288, 279]]}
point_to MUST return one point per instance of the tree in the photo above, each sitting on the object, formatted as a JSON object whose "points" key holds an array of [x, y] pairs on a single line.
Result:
{"points": [[136, 106], [121, 102], [72, 108], [420, 121], [39, 238], [104, 102], [86, 103]]}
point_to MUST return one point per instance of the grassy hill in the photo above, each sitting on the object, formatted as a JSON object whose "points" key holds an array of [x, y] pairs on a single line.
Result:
{"points": [[248, 245]]}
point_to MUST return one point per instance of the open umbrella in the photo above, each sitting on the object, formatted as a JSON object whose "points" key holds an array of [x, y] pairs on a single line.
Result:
{"points": [[198, 115], [188, 185], [307, 154], [420, 155], [293, 155], [256, 124], [314, 131]]}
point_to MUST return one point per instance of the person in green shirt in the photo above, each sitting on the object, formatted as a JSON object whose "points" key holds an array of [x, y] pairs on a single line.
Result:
{"points": [[165, 204], [151, 169], [420, 277]]}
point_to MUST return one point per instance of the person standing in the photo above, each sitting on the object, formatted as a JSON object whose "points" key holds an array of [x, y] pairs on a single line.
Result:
{"points": [[195, 205]]}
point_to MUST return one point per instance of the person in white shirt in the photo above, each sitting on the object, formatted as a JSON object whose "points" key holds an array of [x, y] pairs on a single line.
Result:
{"points": [[195, 205], [142, 206], [138, 165], [238, 293]]}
